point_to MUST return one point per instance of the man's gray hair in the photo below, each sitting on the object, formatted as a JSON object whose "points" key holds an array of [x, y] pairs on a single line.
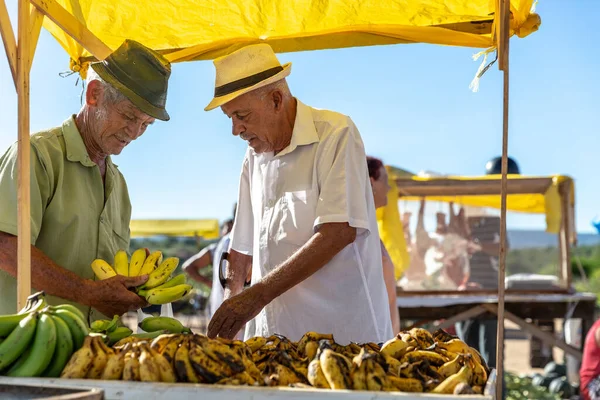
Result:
{"points": [[280, 85], [111, 94]]}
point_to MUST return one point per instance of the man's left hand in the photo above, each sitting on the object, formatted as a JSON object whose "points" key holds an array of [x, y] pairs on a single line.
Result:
{"points": [[231, 316]]}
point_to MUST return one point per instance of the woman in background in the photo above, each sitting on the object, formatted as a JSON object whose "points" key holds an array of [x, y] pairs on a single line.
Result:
{"points": [[379, 184]]}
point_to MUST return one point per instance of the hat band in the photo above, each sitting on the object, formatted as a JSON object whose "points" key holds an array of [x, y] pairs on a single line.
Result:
{"points": [[246, 82]]}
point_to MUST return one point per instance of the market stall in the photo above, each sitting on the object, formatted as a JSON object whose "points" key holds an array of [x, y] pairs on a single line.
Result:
{"points": [[89, 29], [552, 196]]}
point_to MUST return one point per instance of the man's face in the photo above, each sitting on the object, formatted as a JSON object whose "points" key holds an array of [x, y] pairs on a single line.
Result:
{"points": [[116, 125], [254, 119]]}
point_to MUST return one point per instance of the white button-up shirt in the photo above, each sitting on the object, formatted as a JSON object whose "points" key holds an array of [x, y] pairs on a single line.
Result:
{"points": [[321, 177]]}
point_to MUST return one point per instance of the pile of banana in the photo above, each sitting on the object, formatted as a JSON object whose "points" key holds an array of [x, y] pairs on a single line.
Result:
{"points": [[114, 333], [414, 361], [40, 339], [160, 288]]}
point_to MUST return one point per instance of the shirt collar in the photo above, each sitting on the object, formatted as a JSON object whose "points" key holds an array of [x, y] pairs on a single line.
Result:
{"points": [[304, 132], [76, 150]]}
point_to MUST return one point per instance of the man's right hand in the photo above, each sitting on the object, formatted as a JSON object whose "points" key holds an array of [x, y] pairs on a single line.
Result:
{"points": [[113, 297]]}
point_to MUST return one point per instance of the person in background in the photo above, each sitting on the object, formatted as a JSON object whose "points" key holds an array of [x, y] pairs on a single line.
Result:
{"points": [[210, 255], [379, 183], [589, 373]]}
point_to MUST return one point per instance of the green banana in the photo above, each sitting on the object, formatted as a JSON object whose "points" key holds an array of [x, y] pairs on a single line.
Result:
{"points": [[119, 333], [63, 351], [10, 322], [161, 274], [41, 352], [78, 328], [104, 325], [168, 295], [149, 335], [152, 324], [18, 340], [175, 281], [73, 309]]}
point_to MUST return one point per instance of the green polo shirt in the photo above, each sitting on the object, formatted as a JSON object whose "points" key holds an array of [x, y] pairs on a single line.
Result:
{"points": [[75, 217]]}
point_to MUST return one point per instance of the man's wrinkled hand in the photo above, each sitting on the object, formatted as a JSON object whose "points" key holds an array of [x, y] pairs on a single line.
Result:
{"points": [[113, 297], [235, 311]]}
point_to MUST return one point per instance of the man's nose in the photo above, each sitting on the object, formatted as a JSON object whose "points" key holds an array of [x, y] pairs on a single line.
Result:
{"points": [[237, 128]]}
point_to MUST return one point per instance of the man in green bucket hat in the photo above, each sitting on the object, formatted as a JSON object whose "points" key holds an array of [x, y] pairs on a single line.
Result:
{"points": [[80, 206]]}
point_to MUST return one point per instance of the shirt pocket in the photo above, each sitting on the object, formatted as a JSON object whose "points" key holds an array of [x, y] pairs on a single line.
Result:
{"points": [[295, 222]]}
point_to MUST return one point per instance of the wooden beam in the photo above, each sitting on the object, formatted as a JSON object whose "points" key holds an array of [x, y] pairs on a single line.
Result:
{"points": [[537, 332], [477, 292], [36, 18], [469, 314], [8, 38], [470, 187], [23, 157], [72, 27]]}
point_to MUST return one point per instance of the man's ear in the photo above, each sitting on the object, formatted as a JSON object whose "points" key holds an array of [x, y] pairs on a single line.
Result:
{"points": [[277, 99], [94, 93]]}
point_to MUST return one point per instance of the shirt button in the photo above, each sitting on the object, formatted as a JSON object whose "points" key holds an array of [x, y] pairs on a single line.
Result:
{"points": [[101, 219]]}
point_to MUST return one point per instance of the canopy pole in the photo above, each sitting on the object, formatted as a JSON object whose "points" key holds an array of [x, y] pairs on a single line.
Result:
{"points": [[503, 47], [8, 38], [23, 156]]}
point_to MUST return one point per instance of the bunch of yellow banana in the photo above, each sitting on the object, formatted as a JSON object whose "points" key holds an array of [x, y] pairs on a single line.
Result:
{"points": [[134, 362], [439, 363], [40, 339], [160, 288]]}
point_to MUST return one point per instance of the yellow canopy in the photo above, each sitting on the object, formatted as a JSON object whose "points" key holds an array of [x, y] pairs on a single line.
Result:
{"points": [[547, 203], [204, 29], [206, 228]]}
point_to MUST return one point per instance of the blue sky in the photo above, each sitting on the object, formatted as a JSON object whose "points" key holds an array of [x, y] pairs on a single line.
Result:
{"points": [[411, 103]]}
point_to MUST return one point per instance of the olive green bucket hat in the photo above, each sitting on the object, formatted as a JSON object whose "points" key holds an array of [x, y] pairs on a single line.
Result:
{"points": [[139, 73]]}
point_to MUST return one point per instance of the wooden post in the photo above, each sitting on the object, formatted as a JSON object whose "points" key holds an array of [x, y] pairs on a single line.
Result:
{"points": [[564, 236], [503, 43], [8, 38], [23, 156], [72, 27]]}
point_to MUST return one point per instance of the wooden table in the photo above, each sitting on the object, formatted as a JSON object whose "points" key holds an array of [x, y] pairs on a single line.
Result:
{"points": [[447, 309], [121, 390]]}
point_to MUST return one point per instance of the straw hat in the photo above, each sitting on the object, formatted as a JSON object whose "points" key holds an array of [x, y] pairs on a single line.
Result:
{"points": [[139, 73], [244, 70]]}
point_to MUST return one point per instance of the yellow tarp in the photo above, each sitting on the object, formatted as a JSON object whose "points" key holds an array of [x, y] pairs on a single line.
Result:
{"points": [[548, 203], [391, 230], [204, 29], [206, 228]]}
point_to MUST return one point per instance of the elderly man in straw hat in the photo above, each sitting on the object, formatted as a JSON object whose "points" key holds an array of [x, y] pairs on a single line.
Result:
{"points": [[305, 228], [80, 207]]}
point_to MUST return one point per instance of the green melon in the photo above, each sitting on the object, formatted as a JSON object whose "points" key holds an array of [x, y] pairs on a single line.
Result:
{"points": [[554, 368], [561, 387]]}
